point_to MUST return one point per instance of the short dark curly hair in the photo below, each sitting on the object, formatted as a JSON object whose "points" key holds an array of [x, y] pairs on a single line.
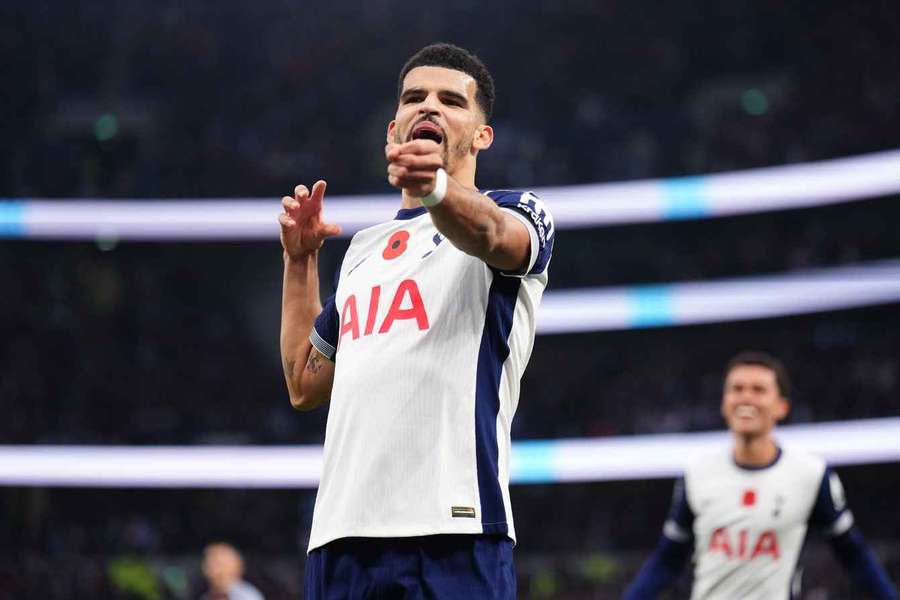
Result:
{"points": [[459, 59], [762, 359]]}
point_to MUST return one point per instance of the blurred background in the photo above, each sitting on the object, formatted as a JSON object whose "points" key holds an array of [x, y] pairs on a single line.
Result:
{"points": [[110, 342]]}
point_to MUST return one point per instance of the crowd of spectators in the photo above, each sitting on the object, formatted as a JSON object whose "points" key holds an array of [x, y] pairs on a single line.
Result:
{"points": [[225, 99], [575, 541], [177, 343]]}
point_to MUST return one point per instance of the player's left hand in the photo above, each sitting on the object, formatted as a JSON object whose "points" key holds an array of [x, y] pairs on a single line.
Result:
{"points": [[413, 166]]}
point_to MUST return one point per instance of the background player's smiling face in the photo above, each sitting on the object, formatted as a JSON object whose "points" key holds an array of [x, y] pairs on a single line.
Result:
{"points": [[752, 403], [439, 104]]}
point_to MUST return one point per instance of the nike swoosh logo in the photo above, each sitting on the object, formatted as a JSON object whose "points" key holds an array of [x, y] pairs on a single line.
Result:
{"points": [[357, 264]]}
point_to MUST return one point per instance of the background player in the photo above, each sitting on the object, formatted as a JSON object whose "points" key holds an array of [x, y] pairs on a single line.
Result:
{"points": [[420, 352], [223, 568], [744, 513]]}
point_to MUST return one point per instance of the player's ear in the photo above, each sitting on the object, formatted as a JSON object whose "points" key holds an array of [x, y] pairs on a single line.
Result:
{"points": [[782, 409], [390, 131], [484, 137]]}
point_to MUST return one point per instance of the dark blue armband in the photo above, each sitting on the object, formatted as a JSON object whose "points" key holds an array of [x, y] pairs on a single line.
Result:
{"points": [[324, 334]]}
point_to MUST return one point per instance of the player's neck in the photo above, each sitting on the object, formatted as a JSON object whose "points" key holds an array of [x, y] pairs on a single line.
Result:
{"points": [[755, 451]]}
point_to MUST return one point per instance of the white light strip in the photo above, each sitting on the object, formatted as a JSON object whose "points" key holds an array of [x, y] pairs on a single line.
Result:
{"points": [[653, 456], [751, 191], [577, 206], [543, 461], [161, 466], [802, 292]]}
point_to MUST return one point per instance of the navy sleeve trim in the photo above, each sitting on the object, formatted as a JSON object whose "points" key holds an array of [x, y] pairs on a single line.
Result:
{"points": [[324, 335], [830, 513], [319, 343], [535, 215], [679, 526]]}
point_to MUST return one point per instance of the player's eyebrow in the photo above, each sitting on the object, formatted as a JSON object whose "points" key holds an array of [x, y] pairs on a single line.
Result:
{"points": [[410, 92], [461, 98]]}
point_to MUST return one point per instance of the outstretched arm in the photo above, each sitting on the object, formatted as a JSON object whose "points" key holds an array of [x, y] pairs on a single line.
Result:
{"points": [[661, 569], [853, 552], [470, 220], [831, 515], [672, 553], [308, 373]]}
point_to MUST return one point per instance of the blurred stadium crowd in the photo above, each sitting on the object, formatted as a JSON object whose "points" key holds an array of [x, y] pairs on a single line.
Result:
{"points": [[177, 343], [122, 100]]}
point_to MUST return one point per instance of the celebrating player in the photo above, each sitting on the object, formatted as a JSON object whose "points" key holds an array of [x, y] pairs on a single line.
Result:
{"points": [[745, 513], [420, 352]]}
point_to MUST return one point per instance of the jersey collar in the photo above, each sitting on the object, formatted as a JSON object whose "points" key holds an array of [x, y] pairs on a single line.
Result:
{"points": [[404, 214], [758, 467]]}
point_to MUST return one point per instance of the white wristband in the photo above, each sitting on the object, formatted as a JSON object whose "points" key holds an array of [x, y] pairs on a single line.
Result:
{"points": [[440, 190]]}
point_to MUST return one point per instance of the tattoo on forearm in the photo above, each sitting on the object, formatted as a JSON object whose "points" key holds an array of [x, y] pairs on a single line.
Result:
{"points": [[314, 364], [288, 366]]}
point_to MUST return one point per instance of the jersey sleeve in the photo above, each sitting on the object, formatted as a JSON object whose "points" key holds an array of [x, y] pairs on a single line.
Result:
{"points": [[324, 334], [831, 516], [679, 525], [672, 553], [859, 560], [830, 513], [536, 217]]}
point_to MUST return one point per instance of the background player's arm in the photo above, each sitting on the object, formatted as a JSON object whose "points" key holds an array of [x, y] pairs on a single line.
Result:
{"points": [[672, 553], [661, 569], [308, 374], [859, 560], [831, 515], [470, 220]]}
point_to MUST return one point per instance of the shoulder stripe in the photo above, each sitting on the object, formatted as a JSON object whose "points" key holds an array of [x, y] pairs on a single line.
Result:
{"points": [[842, 524], [321, 345], [675, 532]]}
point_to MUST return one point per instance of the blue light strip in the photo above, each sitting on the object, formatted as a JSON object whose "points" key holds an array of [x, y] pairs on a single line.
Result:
{"points": [[652, 306], [11, 219], [533, 461], [685, 198]]}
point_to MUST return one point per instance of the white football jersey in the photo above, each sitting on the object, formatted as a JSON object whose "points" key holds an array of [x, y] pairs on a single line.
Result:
{"points": [[429, 345], [749, 524]]}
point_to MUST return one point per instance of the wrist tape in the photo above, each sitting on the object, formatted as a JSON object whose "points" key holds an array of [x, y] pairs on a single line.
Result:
{"points": [[440, 190]]}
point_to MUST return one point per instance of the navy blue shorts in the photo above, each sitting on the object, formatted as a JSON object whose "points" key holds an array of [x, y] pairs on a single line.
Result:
{"points": [[435, 566]]}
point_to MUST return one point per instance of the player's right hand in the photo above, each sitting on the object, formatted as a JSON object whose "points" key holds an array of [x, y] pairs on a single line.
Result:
{"points": [[302, 229]]}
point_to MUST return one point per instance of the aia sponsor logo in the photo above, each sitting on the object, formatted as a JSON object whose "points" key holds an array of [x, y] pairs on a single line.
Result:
{"points": [[741, 545], [406, 304]]}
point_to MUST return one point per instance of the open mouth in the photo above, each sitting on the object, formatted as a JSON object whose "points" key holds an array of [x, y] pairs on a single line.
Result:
{"points": [[745, 411], [426, 130]]}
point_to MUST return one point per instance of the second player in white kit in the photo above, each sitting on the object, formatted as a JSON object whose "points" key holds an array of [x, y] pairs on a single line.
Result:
{"points": [[743, 512], [746, 525]]}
